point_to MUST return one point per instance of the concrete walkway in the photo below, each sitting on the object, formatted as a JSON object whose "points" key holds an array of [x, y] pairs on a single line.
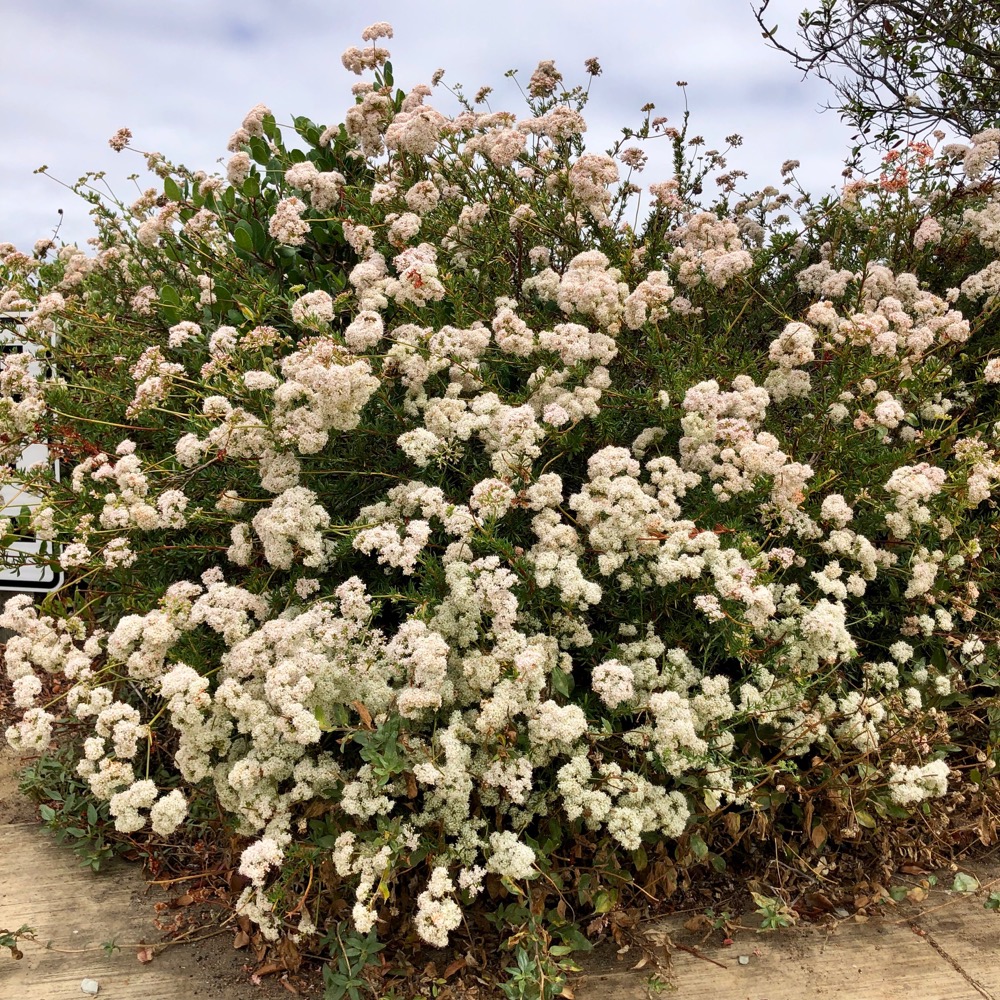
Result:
{"points": [[945, 947], [75, 912]]}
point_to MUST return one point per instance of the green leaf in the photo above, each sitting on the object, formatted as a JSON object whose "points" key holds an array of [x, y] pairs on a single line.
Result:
{"points": [[171, 190], [308, 129], [170, 296], [574, 938], [259, 150], [243, 236], [964, 883], [698, 847], [251, 186], [603, 903], [47, 812], [562, 682], [260, 238], [271, 130], [865, 819]]}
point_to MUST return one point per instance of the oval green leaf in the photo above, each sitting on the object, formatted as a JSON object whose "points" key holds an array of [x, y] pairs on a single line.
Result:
{"points": [[243, 236]]}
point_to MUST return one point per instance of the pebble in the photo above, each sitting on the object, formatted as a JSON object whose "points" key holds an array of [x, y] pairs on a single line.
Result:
{"points": [[744, 960], [90, 986]]}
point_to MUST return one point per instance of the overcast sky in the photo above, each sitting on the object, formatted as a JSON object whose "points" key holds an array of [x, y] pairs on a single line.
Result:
{"points": [[182, 74]]}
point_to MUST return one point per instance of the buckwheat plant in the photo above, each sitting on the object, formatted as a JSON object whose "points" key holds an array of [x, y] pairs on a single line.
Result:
{"points": [[432, 479]]}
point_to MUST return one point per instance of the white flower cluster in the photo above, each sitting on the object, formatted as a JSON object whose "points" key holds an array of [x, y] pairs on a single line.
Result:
{"points": [[899, 318], [709, 249], [324, 187], [589, 180], [437, 912], [391, 530], [912, 486], [313, 310], [293, 525], [589, 288], [287, 225], [22, 402], [722, 437], [623, 800], [909, 785], [321, 393]]}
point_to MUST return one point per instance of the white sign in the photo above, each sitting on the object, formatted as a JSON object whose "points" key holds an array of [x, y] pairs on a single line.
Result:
{"points": [[19, 567]]}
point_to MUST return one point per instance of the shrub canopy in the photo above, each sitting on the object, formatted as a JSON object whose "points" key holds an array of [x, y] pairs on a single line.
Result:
{"points": [[478, 525]]}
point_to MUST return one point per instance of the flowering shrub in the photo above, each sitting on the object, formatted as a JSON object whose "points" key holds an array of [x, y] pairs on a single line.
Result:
{"points": [[464, 542]]}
